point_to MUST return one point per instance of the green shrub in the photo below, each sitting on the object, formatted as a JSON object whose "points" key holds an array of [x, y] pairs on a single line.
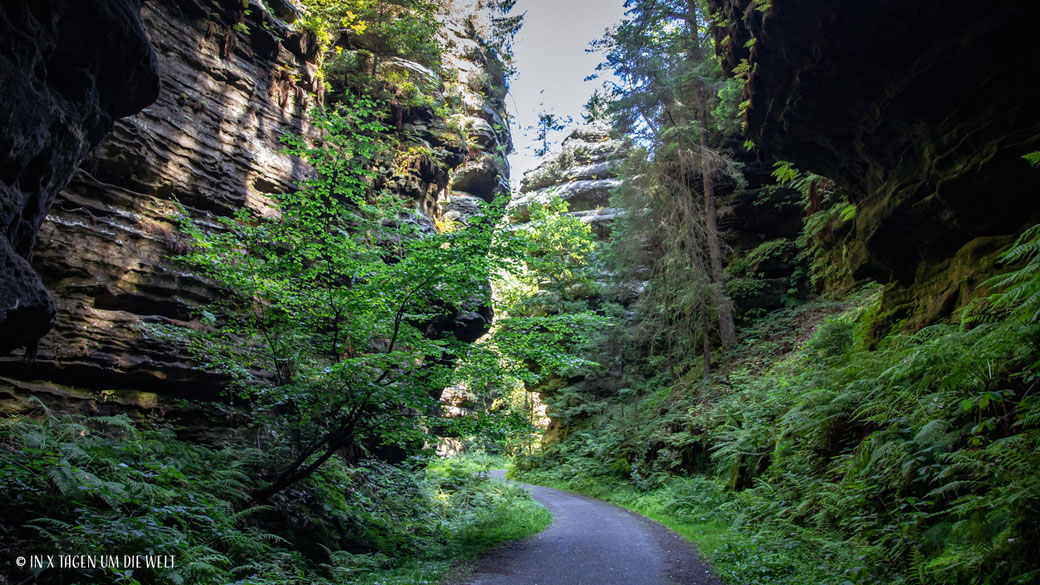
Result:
{"points": [[104, 486]]}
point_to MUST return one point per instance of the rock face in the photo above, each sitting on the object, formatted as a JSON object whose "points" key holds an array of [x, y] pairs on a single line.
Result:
{"points": [[921, 111], [68, 69], [753, 215], [759, 223], [583, 174], [210, 141], [480, 90], [234, 79]]}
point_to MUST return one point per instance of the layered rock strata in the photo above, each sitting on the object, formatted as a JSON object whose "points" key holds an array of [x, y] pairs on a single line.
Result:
{"points": [[752, 212], [234, 80], [210, 142], [758, 223], [68, 69], [583, 174]]}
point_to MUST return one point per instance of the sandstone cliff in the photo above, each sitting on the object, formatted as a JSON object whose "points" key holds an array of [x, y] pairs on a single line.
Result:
{"points": [[582, 174], [234, 79], [752, 212], [758, 223], [68, 69], [920, 111]]}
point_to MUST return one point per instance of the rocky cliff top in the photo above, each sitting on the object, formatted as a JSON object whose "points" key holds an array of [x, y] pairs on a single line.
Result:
{"points": [[582, 174]]}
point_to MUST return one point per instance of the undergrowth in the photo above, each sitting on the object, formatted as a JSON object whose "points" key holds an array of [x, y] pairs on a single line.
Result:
{"points": [[825, 459], [105, 486]]}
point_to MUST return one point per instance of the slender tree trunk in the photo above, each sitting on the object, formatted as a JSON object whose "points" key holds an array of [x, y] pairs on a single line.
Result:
{"points": [[379, 42], [727, 328], [707, 343]]}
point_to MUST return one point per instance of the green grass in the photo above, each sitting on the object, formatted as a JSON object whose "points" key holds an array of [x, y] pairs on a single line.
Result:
{"points": [[470, 463], [503, 512], [699, 510]]}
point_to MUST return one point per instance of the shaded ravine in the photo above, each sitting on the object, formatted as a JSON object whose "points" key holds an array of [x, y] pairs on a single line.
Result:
{"points": [[591, 542]]}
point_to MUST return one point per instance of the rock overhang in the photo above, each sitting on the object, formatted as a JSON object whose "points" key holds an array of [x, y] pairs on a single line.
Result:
{"points": [[920, 111]]}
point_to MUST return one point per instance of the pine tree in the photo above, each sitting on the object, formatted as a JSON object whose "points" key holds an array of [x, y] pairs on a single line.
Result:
{"points": [[666, 99]]}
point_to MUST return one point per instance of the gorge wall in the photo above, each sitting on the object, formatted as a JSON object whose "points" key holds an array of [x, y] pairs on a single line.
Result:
{"points": [[583, 173], [68, 69], [919, 111], [234, 79], [753, 213]]}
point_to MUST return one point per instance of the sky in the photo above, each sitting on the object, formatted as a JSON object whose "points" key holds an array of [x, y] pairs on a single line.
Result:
{"points": [[552, 64]]}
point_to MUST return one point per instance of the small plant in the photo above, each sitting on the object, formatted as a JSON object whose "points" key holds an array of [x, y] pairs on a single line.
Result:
{"points": [[778, 249]]}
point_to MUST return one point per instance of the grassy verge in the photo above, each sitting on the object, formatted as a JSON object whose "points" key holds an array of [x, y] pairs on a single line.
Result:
{"points": [[702, 513], [488, 513]]}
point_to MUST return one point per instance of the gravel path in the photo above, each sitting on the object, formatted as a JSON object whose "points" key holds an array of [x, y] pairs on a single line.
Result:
{"points": [[591, 542]]}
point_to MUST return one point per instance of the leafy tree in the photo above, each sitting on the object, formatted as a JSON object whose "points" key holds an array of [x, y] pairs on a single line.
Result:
{"points": [[338, 306], [328, 18], [331, 299], [561, 250], [389, 28], [597, 108], [551, 303], [543, 323], [404, 28], [503, 30]]}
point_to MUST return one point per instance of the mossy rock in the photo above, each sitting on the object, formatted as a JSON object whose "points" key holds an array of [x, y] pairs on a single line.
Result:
{"points": [[755, 296], [940, 289]]}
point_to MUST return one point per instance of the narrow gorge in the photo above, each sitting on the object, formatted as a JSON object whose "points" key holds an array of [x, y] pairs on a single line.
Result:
{"points": [[285, 284]]}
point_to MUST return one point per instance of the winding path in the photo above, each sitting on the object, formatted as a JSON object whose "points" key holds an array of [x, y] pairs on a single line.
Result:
{"points": [[591, 542]]}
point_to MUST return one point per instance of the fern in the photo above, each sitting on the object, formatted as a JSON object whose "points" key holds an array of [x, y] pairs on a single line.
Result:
{"points": [[917, 461], [1020, 289]]}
